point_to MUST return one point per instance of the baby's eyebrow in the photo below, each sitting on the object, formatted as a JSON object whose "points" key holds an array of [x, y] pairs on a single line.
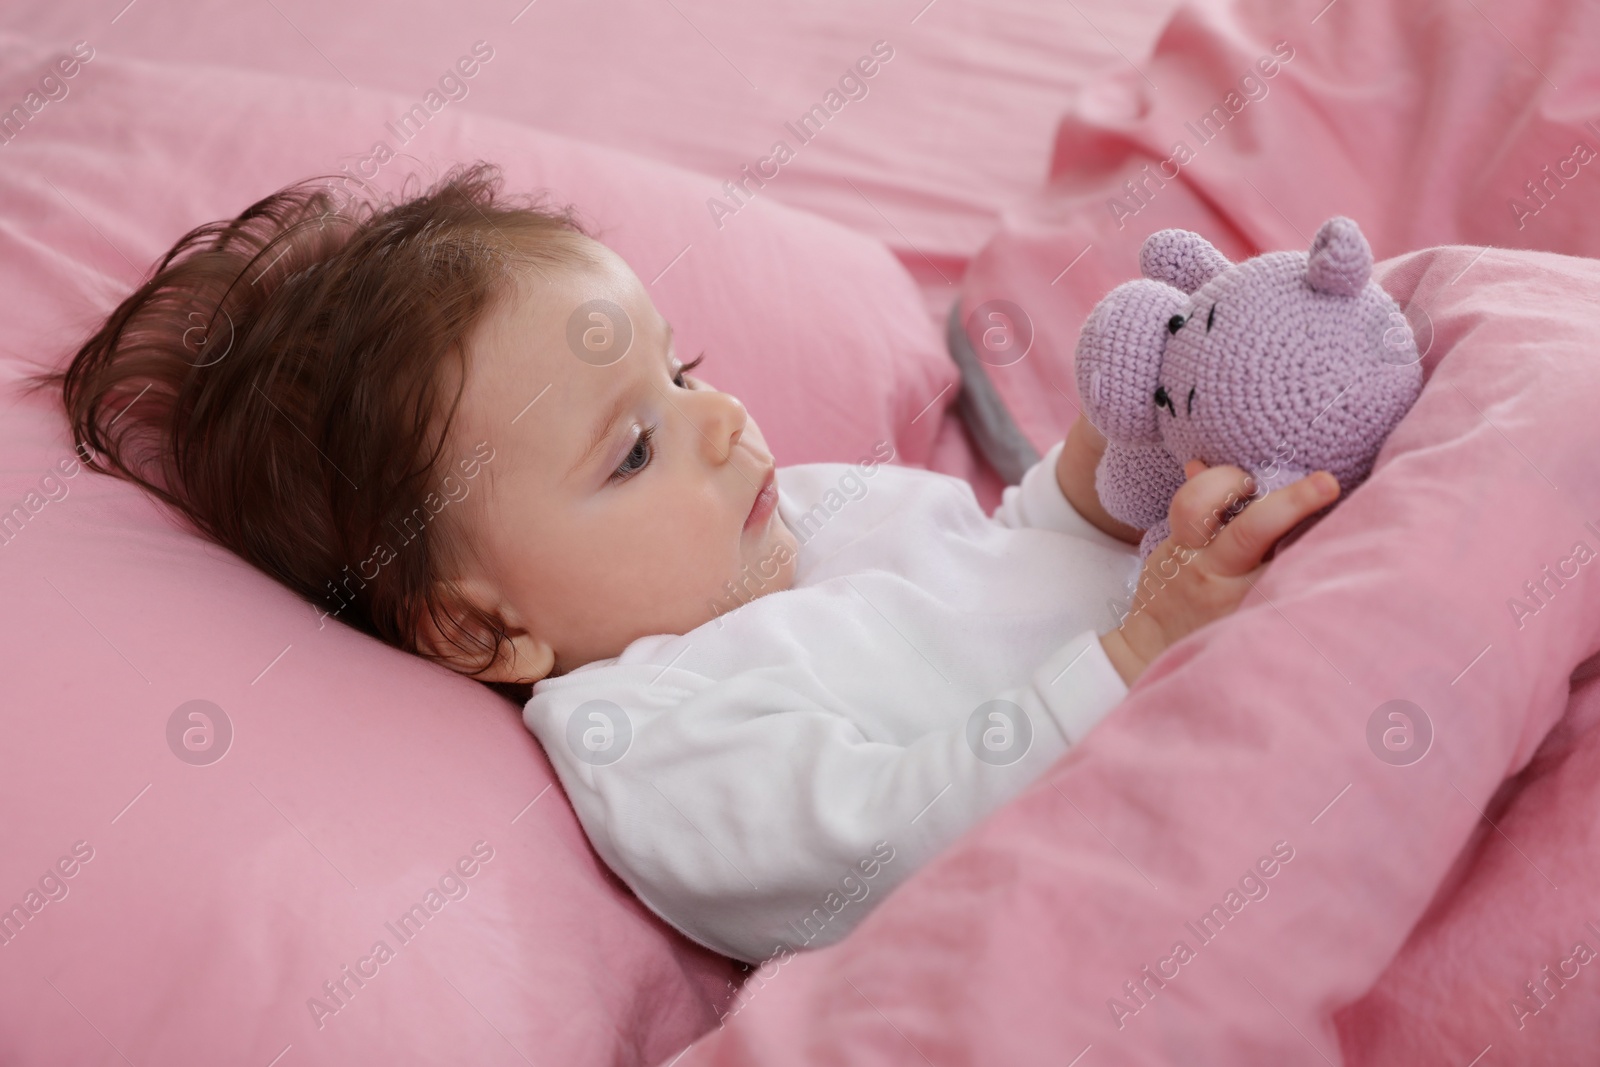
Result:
{"points": [[608, 423]]}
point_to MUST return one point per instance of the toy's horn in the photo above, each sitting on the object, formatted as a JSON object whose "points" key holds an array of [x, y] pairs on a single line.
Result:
{"points": [[1180, 258], [1341, 259]]}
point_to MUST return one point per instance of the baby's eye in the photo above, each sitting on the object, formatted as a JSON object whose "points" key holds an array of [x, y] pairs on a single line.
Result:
{"points": [[638, 456], [643, 450]]}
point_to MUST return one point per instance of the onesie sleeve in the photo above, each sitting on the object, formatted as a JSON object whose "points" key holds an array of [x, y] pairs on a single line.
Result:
{"points": [[758, 821], [1038, 501]]}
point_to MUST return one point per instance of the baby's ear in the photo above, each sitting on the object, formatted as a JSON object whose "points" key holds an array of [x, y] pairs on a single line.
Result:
{"points": [[1341, 259], [1180, 258], [459, 638]]}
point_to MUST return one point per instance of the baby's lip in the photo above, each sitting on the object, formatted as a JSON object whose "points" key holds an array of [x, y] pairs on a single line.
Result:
{"points": [[761, 491]]}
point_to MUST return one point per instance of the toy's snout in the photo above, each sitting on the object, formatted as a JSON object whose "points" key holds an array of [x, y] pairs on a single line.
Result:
{"points": [[1118, 361]]}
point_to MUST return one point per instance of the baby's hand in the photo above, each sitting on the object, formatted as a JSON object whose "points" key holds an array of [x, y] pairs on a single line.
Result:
{"points": [[1201, 573]]}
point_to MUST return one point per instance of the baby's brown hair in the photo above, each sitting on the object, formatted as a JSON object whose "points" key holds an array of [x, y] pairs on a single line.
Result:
{"points": [[282, 380]]}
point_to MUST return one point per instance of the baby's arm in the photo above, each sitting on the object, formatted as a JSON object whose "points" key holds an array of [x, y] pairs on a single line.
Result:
{"points": [[1040, 500], [1201, 571], [747, 814]]}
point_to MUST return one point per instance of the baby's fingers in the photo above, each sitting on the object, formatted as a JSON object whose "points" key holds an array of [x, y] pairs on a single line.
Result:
{"points": [[1206, 502], [1242, 543]]}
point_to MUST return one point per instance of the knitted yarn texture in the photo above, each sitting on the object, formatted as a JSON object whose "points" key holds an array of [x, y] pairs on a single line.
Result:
{"points": [[1283, 364]]}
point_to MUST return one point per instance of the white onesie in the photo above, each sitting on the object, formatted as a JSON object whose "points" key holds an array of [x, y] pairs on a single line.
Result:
{"points": [[762, 781]]}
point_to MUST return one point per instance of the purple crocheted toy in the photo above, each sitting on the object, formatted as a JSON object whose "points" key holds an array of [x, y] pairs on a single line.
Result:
{"points": [[1284, 364]]}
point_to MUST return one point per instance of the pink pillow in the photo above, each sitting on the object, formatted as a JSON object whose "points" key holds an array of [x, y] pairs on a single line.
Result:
{"points": [[174, 906]]}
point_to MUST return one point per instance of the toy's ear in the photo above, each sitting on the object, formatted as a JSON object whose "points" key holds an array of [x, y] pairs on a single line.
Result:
{"points": [[1180, 258], [1341, 259]]}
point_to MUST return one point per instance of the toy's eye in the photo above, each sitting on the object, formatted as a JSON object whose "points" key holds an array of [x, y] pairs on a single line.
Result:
{"points": [[1210, 315], [1175, 323]]}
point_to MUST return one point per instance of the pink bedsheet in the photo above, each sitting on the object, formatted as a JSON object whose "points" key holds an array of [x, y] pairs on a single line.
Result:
{"points": [[916, 159]]}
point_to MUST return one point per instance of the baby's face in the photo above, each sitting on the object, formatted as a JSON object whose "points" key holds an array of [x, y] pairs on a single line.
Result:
{"points": [[579, 550]]}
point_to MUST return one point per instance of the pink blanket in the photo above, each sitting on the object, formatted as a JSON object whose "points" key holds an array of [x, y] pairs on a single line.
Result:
{"points": [[1228, 864], [1353, 822], [1429, 124]]}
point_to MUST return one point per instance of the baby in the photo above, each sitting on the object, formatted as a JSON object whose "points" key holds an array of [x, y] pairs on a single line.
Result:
{"points": [[769, 693]]}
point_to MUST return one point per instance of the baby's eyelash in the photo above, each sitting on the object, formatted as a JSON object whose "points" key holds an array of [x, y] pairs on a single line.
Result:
{"points": [[627, 471], [643, 441], [677, 379]]}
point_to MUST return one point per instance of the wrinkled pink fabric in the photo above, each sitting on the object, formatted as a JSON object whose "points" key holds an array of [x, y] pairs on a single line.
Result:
{"points": [[1249, 739], [1526, 898], [1420, 121], [916, 160]]}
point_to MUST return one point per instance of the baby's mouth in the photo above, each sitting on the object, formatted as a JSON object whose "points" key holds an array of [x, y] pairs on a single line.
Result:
{"points": [[766, 500]]}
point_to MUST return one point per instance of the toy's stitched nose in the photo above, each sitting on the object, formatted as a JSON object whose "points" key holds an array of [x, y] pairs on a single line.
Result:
{"points": [[1189, 407], [1175, 323]]}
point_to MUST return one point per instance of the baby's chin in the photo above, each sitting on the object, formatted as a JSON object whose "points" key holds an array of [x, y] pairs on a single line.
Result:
{"points": [[769, 569]]}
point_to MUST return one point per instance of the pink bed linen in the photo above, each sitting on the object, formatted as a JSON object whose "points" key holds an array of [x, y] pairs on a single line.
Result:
{"points": [[1460, 988], [948, 131], [1244, 762], [1425, 123], [1009, 948]]}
